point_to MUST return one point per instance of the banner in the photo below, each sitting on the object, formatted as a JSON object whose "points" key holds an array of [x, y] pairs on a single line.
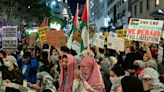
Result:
{"points": [[9, 37], [42, 34], [116, 43], [160, 54], [99, 40], [145, 30], [56, 38], [122, 34]]}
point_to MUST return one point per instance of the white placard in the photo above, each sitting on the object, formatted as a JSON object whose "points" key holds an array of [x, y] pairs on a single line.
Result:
{"points": [[116, 43], [145, 30], [98, 40], [9, 37]]}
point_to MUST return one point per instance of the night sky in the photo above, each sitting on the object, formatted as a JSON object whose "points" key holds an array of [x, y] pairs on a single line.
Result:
{"points": [[73, 4]]}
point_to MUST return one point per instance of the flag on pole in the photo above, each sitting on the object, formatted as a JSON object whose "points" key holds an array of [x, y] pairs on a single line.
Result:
{"points": [[76, 33], [84, 27]]}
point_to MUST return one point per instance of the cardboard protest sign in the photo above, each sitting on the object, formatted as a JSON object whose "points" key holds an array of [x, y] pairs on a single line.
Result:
{"points": [[160, 54], [116, 43], [42, 34], [56, 38], [145, 30], [9, 37]]}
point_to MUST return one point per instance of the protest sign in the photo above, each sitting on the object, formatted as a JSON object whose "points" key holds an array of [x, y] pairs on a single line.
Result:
{"points": [[160, 54], [56, 38], [42, 34], [99, 40], [116, 43], [122, 34], [145, 30], [9, 37]]}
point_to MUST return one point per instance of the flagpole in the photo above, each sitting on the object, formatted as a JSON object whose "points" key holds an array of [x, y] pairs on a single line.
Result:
{"points": [[87, 3]]}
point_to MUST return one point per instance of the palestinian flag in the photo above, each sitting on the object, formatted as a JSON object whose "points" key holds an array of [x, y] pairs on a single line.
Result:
{"points": [[84, 27]]}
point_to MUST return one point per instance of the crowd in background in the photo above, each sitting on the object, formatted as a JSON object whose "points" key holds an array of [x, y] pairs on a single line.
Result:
{"points": [[59, 69]]}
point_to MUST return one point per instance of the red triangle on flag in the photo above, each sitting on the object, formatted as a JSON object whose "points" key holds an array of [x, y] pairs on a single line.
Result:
{"points": [[85, 13], [76, 17], [44, 23]]}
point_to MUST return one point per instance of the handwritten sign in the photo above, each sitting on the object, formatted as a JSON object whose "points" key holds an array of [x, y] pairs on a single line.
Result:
{"points": [[145, 30], [122, 34], [56, 38], [99, 40], [9, 37], [116, 43], [42, 34]]}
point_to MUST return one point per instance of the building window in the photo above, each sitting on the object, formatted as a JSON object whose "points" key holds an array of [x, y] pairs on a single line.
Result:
{"points": [[147, 4], [156, 2], [123, 13], [135, 10], [141, 6]]}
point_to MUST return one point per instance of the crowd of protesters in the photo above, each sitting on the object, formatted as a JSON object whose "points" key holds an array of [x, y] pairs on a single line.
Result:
{"points": [[59, 69]]}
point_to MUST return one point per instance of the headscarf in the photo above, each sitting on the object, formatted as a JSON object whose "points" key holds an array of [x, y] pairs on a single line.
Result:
{"points": [[154, 76], [131, 84], [152, 63], [140, 63], [70, 73], [92, 73], [12, 59]]}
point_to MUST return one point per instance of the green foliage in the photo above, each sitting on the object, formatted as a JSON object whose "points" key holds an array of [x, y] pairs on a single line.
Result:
{"points": [[17, 11]]}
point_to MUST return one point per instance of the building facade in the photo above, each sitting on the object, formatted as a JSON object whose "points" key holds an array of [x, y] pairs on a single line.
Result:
{"points": [[119, 11], [148, 9], [98, 12]]}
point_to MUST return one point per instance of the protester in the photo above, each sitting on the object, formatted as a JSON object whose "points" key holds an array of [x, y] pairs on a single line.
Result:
{"points": [[150, 79], [67, 68], [116, 74], [139, 66], [29, 66], [89, 76], [11, 73], [45, 64], [130, 84]]}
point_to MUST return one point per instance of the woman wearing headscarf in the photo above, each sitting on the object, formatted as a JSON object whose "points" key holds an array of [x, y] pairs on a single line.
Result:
{"points": [[130, 84], [67, 68], [90, 78]]}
